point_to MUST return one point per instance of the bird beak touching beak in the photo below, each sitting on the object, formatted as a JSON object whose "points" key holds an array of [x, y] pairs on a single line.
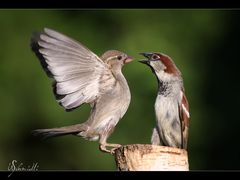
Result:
{"points": [[128, 60], [148, 56]]}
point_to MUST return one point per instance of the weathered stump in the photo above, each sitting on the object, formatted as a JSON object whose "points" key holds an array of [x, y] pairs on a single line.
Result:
{"points": [[147, 157]]}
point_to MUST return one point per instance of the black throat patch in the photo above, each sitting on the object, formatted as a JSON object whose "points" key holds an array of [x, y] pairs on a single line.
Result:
{"points": [[163, 88]]}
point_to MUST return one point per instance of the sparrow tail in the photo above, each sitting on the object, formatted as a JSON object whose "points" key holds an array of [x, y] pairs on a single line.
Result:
{"points": [[54, 132]]}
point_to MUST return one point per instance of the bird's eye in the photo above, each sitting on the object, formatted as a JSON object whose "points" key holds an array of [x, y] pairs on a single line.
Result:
{"points": [[155, 57], [119, 57]]}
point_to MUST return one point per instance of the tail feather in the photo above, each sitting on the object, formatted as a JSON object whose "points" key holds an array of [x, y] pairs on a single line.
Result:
{"points": [[48, 133], [55, 132]]}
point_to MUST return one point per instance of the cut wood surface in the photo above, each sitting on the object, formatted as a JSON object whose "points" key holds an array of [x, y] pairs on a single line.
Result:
{"points": [[147, 157]]}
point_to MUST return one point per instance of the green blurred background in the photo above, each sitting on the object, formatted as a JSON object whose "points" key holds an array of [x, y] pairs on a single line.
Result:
{"points": [[203, 43]]}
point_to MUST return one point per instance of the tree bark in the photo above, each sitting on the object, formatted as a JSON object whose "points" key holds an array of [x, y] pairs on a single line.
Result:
{"points": [[147, 157]]}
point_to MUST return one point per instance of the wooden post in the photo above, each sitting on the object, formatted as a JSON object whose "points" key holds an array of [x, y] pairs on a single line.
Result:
{"points": [[147, 157]]}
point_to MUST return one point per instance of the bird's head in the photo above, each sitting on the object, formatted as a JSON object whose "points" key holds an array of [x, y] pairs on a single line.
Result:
{"points": [[161, 64], [116, 58]]}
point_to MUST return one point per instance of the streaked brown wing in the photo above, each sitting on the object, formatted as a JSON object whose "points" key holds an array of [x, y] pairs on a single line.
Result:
{"points": [[184, 118]]}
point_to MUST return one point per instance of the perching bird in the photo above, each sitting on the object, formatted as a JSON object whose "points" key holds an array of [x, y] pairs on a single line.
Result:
{"points": [[171, 105], [80, 76]]}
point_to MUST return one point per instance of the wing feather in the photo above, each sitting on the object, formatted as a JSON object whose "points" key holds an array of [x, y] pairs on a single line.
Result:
{"points": [[184, 118], [77, 71]]}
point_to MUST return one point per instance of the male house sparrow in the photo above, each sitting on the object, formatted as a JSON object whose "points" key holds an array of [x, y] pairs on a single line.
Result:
{"points": [[80, 76], [171, 105]]}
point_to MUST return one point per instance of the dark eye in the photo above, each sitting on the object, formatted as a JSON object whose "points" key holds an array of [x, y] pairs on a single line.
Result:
{"points": [[155, 57], [119, 57]]}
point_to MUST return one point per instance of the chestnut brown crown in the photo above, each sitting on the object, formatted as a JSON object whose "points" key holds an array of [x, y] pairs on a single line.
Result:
{"points": [[161, 62]]}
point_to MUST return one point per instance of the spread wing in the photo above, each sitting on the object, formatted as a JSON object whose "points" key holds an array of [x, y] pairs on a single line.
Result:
{"points": [[76, 70], [184, 118]]}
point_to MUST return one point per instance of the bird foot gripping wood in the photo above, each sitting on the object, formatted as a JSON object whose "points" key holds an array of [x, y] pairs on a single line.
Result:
{"points": [[103, 148]]}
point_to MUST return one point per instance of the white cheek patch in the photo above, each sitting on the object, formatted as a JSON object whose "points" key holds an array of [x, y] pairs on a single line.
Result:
{"points": [[164, 76]]}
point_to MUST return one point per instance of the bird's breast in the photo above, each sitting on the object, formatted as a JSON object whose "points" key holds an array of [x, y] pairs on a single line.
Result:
{"points": [[166, 109]]}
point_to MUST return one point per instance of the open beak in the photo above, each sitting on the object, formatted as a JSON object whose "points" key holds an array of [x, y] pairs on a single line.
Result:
{"points": [[148, 56], [128, 60], [144, 61]]}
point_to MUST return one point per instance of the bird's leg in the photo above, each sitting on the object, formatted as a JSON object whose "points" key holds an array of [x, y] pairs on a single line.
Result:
{"points": [[103, 142], [103, 147]]}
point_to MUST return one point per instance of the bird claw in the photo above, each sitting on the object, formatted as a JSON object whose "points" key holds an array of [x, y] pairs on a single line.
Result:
{"points": [[103, 148], [112, 151]]}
